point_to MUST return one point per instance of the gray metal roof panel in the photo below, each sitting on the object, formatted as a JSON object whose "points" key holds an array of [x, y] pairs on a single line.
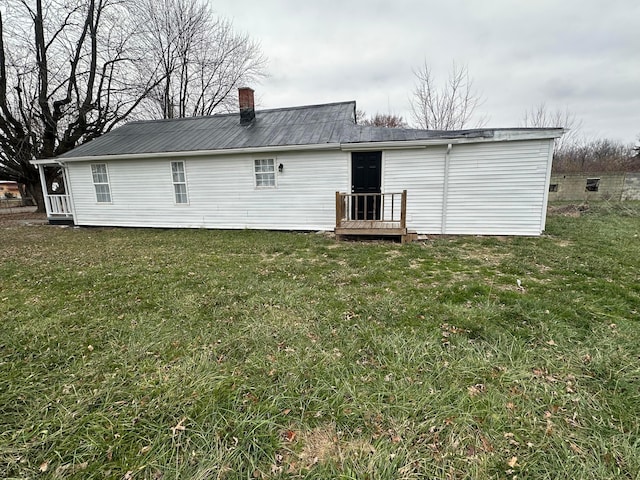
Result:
{"points": [[310, 125]]}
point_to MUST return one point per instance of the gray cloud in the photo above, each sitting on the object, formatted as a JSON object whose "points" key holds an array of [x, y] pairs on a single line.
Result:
{"points": [[581, 55]]}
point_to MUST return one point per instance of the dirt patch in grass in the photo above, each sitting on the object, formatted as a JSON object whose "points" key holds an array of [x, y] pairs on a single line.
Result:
{"points": [[488, 256], [570, 210], [320, 445], [22, 218], [563, 243], [393, 254], [324, 444]]}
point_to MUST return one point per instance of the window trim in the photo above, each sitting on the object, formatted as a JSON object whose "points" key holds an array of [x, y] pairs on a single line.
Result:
{"points": [[107, 183], [174, 183], [274, 163]]}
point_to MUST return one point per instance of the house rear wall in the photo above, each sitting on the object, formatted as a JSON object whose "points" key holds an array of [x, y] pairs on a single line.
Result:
{"points": [[493, 188], [222, 193]]}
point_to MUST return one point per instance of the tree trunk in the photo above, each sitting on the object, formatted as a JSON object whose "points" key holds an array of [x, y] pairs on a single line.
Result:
{"points": [[34, 190]]}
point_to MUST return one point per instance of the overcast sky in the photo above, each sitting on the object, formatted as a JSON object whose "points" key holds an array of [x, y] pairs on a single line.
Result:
{"points": [[583, 55]]}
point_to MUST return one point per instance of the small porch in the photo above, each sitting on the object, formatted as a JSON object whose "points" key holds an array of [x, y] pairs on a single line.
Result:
{"points": [[372, 214], [58, 203]]}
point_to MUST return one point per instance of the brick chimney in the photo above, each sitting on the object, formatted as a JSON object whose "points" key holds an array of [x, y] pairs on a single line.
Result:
{"points": [[247, 107]]}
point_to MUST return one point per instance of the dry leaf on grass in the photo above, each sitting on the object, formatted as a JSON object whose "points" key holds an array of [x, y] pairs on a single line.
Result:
{"points": [[476, 389], [144, 449], [576, 449], [179, 427]]}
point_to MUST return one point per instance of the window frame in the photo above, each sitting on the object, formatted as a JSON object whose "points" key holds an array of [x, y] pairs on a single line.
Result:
{"points": [[96, 184], [176, 183], [257, 172], [553, 187], [592, 184]]}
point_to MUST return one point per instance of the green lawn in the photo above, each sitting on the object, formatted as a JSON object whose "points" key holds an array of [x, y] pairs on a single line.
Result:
{"points": [[140, 353]]}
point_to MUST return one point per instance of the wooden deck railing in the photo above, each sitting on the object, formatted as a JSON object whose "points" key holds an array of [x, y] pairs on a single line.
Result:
{"points": [[377, 210], [59, 205]]}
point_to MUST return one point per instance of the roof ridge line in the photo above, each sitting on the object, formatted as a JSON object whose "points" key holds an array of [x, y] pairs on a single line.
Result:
{"points": [[229, 114]]}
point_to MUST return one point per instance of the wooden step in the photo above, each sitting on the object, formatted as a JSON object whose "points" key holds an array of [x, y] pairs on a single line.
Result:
{"points": [[410, 236]]}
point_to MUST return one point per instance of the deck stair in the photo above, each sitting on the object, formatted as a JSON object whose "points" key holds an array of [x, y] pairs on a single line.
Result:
{"points": [[372, 214]]}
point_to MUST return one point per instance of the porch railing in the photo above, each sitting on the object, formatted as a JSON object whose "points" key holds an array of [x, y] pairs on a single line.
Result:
{"points": [[382, 208], [59, 204]]}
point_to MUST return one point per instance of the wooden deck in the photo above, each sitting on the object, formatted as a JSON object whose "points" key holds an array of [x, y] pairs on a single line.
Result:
{"points": [[379, 214]]}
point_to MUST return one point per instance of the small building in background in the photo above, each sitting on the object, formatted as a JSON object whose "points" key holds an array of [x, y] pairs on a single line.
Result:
{"points": [[614, 186], [9, 190]]}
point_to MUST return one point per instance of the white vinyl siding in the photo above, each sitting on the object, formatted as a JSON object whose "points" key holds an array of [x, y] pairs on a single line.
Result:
{"points": [[265, 172], [498, 188], [179, 178], [421, 173], [100, 177], [222, 193], [492, 188]]}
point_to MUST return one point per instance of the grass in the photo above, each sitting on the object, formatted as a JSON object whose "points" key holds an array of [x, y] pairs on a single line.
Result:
{"points": [[148, 354]]}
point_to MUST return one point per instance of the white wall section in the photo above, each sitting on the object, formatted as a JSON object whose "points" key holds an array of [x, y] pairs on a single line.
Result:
{"points": [[493, 188], [498, 188], [222, 193]]}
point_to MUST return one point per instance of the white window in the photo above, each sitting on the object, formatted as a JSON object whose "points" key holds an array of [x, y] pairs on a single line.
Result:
{"points": [[179, 179], [101, 182], [265, 172]]}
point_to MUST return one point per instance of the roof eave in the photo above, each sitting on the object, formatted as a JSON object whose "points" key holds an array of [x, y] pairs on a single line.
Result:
{"points": [[499, 135], [528, 134], [194, 153]]}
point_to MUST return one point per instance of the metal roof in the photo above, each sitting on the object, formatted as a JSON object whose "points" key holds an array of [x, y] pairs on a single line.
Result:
{"points": [[331, 123], [310, 125]]}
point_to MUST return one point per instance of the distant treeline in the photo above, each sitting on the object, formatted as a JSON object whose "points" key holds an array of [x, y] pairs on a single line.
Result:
{"points": [[601, 155]]}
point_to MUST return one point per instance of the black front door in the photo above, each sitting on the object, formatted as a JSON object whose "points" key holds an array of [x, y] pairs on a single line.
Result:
{"points": [[366, 175]]}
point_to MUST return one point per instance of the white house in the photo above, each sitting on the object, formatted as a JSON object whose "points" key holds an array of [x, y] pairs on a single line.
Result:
{"points": [[307, 168]]}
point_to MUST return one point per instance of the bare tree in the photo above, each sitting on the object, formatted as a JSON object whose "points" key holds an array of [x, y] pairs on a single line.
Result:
{"points": [[67, 75], [203, 60], [451, 106], [71, 70], [388, 120], [573, 153], [540, 116]]}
